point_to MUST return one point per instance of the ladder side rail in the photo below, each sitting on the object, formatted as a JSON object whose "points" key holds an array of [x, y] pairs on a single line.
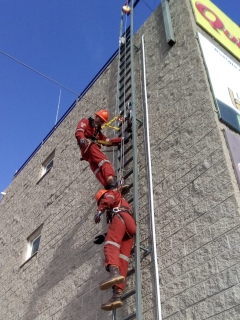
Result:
{"points": [[150, 187], [135, 182], [118, 162]]}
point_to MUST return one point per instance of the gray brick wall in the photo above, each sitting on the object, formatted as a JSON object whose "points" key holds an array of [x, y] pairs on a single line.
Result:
{"points": [[196, 200]]}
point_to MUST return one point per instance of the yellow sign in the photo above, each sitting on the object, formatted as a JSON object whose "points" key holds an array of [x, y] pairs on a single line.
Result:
{"points": [[218, 25]]}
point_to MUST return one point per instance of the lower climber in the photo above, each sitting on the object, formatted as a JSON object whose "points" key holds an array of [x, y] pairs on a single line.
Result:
{"points": [[118, 242], [88, 133]]}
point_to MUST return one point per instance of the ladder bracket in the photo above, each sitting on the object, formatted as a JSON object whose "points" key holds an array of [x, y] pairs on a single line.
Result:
{"points": [[137, 48], [146, 250], [141, 123]]}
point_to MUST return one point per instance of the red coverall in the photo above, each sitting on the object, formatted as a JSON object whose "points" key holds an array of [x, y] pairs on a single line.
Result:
{"points": [[119, 238], [99, 163]]}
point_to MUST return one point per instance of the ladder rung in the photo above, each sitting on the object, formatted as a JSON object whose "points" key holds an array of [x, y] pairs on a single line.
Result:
{"points": [[130, 200], [125, 63], [125, 57], [128, 294], [126, 151], [127, 42], [125, 45], [124, 101], [131, 271], [127, 31], [128, 138], [125, 76], [128, 174], [124, 93], [125, 53], [125, 83], [127, 162], [126, 66], [131, 316]]}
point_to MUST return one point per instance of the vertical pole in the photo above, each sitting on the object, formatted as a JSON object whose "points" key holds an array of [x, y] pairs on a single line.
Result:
{"points": [[135, 181], [118, 80], [59, 98], [168, 23], [150, 188]]}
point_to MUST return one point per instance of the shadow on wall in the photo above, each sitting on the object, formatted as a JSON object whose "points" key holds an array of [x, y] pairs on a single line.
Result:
{"points": [[67, 283]]}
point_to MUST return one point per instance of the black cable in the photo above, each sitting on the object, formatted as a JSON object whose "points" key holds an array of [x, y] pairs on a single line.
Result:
{"points": [[43, 75]]}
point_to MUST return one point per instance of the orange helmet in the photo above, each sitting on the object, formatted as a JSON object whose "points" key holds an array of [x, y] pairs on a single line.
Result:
{"points": [[99, 195], [103, 114]]}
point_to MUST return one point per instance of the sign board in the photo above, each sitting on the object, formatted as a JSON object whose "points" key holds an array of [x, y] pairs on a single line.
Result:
{"points": [[218, 25], [224, 76], [233, 143]]}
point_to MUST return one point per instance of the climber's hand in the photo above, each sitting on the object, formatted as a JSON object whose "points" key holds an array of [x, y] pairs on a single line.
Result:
{"points": [[97, 217], [99, 239]]}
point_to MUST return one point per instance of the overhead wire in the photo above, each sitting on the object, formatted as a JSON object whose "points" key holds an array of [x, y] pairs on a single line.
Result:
{"points": [[56, 82], [41, 74], [46, 77], [147, 5]]}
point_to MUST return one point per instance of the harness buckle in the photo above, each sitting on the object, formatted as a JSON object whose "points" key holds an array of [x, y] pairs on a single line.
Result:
{"points": [[116, 210]]}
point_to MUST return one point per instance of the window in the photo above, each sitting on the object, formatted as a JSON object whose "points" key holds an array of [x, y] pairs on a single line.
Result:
{"points": [[33, 242], [47, 164]]}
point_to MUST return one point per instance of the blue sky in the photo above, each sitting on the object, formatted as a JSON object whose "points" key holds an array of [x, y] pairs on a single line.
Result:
{"points": [[68, 41]]}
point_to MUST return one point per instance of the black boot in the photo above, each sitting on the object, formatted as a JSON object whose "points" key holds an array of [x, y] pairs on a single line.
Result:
{"points": [[113, 184], [114, 302], [114, 278], [124, 189]]}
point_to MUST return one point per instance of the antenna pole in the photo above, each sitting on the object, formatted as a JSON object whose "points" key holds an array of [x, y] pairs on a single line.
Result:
{"points": [[59, 98]]}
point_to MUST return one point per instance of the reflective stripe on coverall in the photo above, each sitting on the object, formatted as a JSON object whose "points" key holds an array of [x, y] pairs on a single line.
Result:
{"points": [[99, 163], [118, 241]]}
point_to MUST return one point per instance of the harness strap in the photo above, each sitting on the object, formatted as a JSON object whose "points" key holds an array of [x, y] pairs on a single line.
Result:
{"points": [[121, 218], [126, 209]]}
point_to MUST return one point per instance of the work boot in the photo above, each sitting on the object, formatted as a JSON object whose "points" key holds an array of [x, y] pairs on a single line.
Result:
{"points": [[114, 302], [113, 184], [114, 278], [124, 189]]}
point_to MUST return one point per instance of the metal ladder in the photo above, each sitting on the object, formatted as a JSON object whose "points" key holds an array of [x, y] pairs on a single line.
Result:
{"points": [[125, 106]]}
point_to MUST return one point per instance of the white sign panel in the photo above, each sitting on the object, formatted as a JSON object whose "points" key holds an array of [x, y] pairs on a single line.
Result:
{"points": [[224, 76]]}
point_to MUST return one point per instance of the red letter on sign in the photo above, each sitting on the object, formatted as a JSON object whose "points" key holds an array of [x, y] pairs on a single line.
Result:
{"points": [[217, 24], [232, 38]]}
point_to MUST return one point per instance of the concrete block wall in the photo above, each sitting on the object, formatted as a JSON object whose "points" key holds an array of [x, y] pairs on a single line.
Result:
{"points": [[196, 197], [196, 200]]}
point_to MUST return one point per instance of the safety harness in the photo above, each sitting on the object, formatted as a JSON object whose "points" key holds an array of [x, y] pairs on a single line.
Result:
{"points": [[93, 138], [117, 211]]}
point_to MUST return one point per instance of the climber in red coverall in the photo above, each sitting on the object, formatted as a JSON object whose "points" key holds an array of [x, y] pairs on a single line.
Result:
{"points": [[87, 133], [118, 242]]}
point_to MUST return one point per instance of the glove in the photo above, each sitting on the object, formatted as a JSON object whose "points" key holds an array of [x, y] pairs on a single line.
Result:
{"points": [[82, 142], [97, 217], [99, 239]]}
